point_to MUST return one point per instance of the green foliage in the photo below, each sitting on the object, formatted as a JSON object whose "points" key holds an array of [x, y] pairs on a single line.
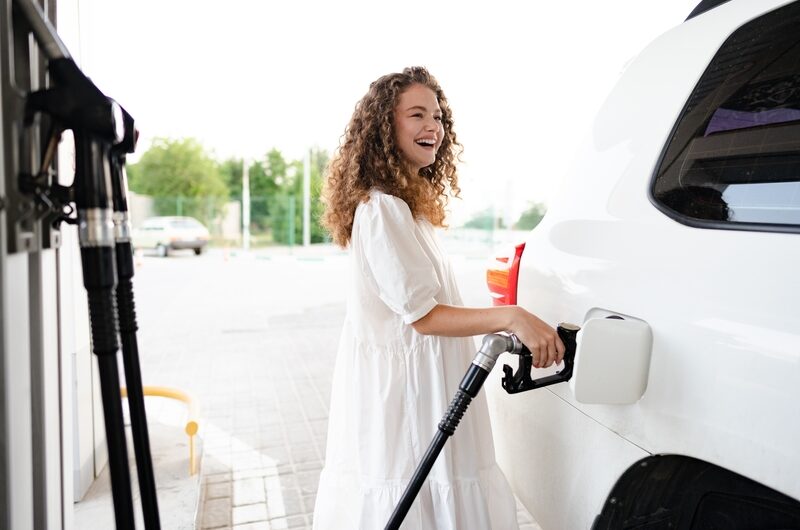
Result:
{"points": [[485, 220], [231, 172], [182, 178], [263, 186], [264, 177], [287, 215], [531, 217]]}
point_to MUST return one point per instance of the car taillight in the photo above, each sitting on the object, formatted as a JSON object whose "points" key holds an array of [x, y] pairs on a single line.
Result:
{"points": [[501, 277]]}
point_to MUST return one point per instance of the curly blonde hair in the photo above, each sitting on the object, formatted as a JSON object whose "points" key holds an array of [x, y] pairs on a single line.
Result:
{"points": [[368, 158]]}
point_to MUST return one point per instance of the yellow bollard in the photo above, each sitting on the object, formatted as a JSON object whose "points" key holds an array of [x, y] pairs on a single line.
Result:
{"points": [[192, 425]]}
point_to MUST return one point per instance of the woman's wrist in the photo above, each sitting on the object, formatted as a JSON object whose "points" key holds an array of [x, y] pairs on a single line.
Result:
{"points": [[509, 317]]}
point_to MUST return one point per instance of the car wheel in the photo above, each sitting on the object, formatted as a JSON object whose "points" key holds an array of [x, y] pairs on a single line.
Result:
{"points": [[198, 251], [162, 251]]}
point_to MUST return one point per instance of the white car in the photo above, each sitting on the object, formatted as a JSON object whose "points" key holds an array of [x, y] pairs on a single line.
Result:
{"points": [[171, 233], [680, 220]]}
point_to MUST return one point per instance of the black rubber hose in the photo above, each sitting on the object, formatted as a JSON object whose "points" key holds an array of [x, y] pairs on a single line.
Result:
{"points": [[102, 314], [133, 378], [128, 326], [468, 389]]}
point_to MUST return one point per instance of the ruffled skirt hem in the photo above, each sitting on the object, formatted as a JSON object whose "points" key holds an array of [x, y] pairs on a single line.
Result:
{"points": [[484, 502]]}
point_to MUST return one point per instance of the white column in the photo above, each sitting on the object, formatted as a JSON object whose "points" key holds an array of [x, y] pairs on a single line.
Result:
{"points": [[245, 205], [307, 198]]}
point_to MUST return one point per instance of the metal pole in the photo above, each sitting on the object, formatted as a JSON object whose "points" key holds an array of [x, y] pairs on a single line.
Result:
{"points": [[245, 206], [307, 198], [291, 221], [49, 42]]}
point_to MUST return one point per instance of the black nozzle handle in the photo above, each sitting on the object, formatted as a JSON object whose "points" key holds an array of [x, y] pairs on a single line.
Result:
{"points": [[521, 381], [119, 196]]}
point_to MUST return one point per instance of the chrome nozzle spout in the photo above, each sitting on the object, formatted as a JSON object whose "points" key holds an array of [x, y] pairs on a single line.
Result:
{"points": [[492, 346]]}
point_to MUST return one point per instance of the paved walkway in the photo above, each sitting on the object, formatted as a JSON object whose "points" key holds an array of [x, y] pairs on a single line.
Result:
{"points": [[260, 365], [265, 441]]}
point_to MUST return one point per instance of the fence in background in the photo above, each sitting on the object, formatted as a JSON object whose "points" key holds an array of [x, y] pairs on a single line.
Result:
{"points": [[277, 220]]}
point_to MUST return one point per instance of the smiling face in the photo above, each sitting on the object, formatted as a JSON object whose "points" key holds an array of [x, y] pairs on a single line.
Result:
{"points": [[418, 126]]}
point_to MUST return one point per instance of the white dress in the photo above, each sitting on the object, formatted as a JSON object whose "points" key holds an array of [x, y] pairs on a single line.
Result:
{"points": [[391, 386]]}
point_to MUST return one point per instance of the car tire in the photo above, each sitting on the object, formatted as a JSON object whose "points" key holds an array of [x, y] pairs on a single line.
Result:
{"points": [[198, 251], [162, 251]]}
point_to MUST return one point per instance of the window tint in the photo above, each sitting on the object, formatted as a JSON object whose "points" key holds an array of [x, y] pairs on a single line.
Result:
{"points": [[733, 160]]}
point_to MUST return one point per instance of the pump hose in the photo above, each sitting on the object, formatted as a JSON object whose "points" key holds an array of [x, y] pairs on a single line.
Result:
{"points": [[126, 307], [139, 428], [468, 389], [133, 377], [102, 313], [454, 414]]}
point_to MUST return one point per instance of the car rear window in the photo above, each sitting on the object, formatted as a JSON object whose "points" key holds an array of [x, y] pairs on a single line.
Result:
{"points": [[733, 160]]}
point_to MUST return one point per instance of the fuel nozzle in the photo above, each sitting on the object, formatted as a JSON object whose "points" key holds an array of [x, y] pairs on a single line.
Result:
{"points": [[521, 381], [119, 196]]}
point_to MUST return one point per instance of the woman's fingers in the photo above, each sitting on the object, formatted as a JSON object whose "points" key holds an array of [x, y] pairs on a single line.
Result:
{"points": [[560, 348], [547, 350], [552, 351], [537, 358], [542, 340], [543, 353]]}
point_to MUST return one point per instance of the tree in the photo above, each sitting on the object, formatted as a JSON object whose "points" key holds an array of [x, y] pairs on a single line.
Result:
{"points": [[182, 178], [231, 172], [531, 217], [263, 187], [287, 215], [265, 178]]}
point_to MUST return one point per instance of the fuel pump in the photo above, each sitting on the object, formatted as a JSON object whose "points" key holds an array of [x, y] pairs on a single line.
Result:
{"points": [[104, 133], [486, 357]]}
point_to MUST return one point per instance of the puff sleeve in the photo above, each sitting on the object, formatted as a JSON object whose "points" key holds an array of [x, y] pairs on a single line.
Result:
{"points": [[405, 277]]}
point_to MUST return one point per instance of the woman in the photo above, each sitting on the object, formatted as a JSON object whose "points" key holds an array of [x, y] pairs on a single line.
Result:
{"points": [[405, 343]]}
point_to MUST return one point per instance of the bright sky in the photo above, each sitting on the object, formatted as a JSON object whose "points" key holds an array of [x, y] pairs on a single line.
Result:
{"points": [[523, 78]]}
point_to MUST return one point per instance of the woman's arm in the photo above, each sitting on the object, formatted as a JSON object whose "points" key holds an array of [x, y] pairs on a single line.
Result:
{"points": [[454, 321]]}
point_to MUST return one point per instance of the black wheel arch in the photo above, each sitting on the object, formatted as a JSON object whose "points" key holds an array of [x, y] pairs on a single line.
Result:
{"points": [[681, 492]]}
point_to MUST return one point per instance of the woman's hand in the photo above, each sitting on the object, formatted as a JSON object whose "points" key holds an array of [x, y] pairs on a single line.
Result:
{"points": [[454, 321], [541, 339]]}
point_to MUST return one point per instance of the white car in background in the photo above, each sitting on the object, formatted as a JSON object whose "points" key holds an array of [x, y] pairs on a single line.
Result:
{"points": [[171, 233], [675, 244]]}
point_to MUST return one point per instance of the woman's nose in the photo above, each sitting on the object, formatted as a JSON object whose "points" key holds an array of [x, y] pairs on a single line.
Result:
{"points": [[431, 124]]}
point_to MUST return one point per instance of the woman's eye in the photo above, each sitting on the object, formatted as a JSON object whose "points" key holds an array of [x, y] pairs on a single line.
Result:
{"points": [[437, 118]]}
